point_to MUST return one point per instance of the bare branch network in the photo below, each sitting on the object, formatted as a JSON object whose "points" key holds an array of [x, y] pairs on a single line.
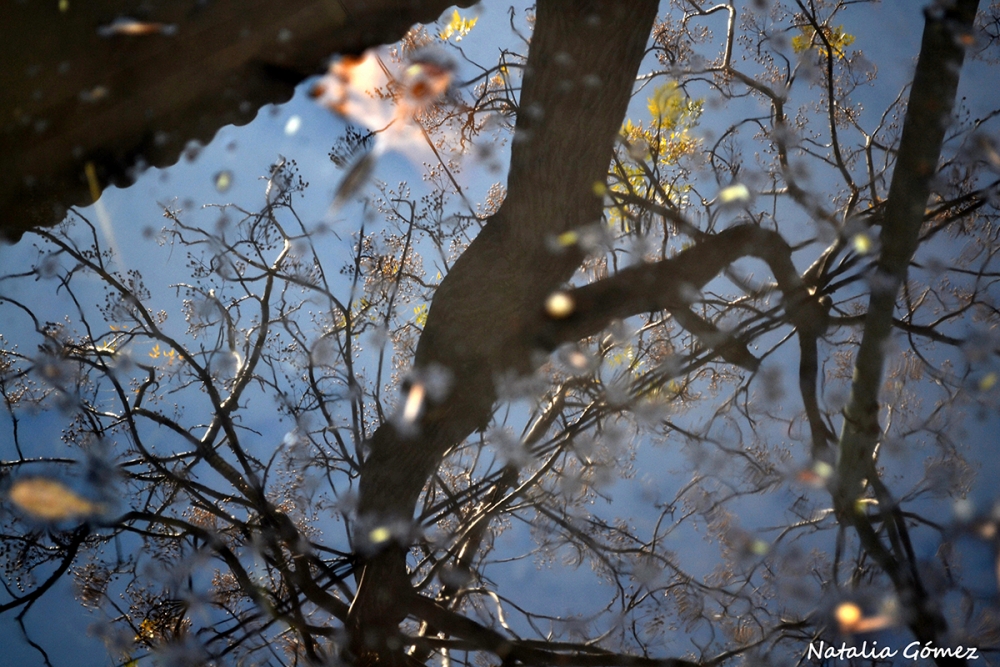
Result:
{"points": [[395, 454]]}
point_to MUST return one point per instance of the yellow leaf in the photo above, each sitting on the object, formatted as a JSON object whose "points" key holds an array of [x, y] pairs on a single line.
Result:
{"points": [[457, 26], [567, 239], [50, 500], [106, 348], [988, 381], [147, 630], [836, 37], [155, 352], [421, 314], [666, 104], [801, 43], [623, 357]]}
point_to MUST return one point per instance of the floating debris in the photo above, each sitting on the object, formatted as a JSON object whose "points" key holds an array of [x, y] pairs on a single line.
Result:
{"points": [[424, 81], [759, 547], [818, 475], [356, 178], [560, 305], [223, 180], [95, 94], [379, 535], [862, 243], [734, 194], [134, 28], [576, 359], [852, 619], [386, 97], [847, 614], [414, 402]]}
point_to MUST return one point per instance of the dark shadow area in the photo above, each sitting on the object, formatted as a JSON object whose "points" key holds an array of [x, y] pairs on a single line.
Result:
{"points": [[125, 85]]}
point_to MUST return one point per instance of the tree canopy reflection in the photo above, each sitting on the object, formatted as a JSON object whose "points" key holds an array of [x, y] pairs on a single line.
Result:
{"points": [[802, 303]]}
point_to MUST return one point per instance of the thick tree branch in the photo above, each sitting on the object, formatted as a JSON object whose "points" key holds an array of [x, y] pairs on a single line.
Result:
{"points": [[932, 99], [525, 652], [668, 284], [475, 327]]}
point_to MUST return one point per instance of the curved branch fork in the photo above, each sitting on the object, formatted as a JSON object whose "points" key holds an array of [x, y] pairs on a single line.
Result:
{"points": [[573, 99]]}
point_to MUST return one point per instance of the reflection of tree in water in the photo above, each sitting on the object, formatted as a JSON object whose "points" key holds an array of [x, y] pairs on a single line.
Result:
{"points": [[308, 549]]}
